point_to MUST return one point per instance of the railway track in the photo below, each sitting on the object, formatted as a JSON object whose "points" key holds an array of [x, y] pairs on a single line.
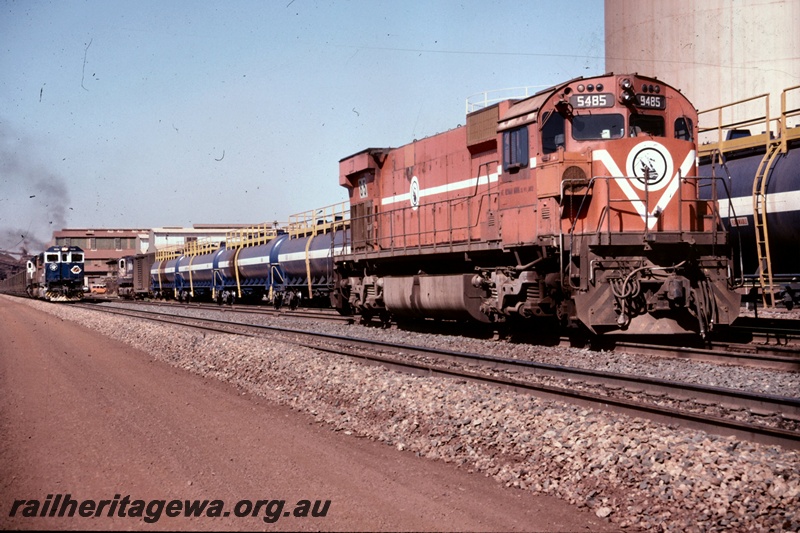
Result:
{"points": [[300, 312], [770, 344], [754, 355], [768, 331], [760, 418]]}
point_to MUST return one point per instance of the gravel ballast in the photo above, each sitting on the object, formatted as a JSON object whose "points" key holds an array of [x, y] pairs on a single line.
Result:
{"points": [[635, 473]]}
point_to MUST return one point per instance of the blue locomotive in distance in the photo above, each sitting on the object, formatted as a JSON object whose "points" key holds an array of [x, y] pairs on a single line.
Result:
{"points": [[57, 274]]}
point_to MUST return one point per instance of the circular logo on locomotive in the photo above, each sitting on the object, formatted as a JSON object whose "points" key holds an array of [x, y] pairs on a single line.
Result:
{"points": [[414, 193], [53, 267], [651, 164]]}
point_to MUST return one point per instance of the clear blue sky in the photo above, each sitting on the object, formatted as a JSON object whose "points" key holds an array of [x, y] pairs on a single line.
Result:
{"points": [[144, 114]]}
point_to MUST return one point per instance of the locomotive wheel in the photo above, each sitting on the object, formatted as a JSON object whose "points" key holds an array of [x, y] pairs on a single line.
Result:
{"points": [[366, 317]]}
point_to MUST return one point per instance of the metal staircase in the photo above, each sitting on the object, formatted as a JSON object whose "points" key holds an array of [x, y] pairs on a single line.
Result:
{"points": [[760, 223]]}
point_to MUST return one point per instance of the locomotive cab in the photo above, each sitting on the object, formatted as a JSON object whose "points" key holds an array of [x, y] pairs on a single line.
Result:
{"points": [[610, 170], [63, 274]]}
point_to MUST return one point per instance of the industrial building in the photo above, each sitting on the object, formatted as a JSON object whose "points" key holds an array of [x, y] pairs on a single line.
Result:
{"points": [[104, 245], [100, 246], [717, 51]]}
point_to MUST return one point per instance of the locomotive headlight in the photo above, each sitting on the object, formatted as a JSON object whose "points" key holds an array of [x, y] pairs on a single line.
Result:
{"points": [[626, 96]]}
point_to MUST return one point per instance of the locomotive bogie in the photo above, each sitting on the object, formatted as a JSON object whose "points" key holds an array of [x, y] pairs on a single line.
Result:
{"points": [[512, 293]]}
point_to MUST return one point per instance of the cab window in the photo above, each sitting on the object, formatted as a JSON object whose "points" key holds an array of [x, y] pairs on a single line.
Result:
{"points": [[595, 127], [684, 128], [648, 124], [515, 149], [77, 257], [552, 132], [51, 258]]}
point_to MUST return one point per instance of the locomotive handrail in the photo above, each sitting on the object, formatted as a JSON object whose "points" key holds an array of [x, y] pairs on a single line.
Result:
{"points": [[788, 133], [781, 135], [384, 218], [171, 252], [725, 145], [731, 210], [604, 220], [482, 100], [252, 236], [321, 220], [400, 240]]}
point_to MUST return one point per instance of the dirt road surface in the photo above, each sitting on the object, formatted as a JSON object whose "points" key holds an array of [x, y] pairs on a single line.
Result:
{"points": [[83, 415]]}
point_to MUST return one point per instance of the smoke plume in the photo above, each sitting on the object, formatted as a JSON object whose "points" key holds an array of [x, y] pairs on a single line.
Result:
{"points": [[33, 199]]}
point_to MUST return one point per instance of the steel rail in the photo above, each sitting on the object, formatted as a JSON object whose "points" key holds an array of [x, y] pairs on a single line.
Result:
{"points": [[752, 355], [298, 313], [710, 424], [761, 405], [172, 320], [776, 356]]}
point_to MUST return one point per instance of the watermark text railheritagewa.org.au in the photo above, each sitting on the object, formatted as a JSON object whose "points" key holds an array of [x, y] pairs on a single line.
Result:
{"points": [[150, 511]]}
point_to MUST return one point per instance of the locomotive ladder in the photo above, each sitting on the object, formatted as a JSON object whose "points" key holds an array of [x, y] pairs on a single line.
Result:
{"points": [[760, 223]]}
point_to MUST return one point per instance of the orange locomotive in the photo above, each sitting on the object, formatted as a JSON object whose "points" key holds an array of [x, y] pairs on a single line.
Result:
{"points": [[580, 202]]}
